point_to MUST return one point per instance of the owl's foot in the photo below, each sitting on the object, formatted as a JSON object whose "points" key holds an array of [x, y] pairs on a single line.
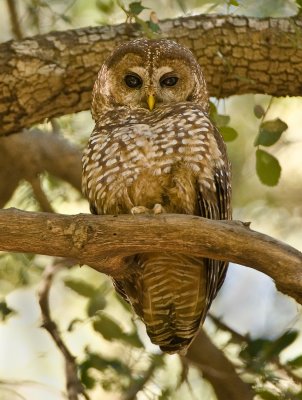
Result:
{"points": [[140, 210], [157, 209]]}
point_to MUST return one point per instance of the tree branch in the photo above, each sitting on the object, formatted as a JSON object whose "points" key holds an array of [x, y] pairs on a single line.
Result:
{"points": [[102, 241], [220, 372], [73, 385], [33, 153], [243, 339], [139, 384], [16, 29], [51, 75], [40, 195]]}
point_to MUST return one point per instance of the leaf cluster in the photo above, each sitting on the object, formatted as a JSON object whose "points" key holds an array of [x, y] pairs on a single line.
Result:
{"points": [[113, 373], [150, 28], [267, 166], [221, 121]]}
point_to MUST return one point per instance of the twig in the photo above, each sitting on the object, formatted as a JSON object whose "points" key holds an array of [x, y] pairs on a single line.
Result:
{"points": [[73, 385], [40, 195], [236, 337], [267, 109], [16, 29], [56, 129], [218, 370], [139, 384], [239, 339]]}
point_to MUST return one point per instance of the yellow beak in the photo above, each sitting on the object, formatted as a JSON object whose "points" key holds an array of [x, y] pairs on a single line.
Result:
{"points": [[151, 102]]}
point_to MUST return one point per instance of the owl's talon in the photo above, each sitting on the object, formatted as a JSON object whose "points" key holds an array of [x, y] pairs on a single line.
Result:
{"points": [[158, 209], [140, 210]]}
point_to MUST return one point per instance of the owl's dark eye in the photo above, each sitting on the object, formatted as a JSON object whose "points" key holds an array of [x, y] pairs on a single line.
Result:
{"points": [[169, 81], [133, 81]]}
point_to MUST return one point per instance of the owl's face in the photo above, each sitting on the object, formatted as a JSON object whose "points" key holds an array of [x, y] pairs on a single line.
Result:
{"points": [[147, 74]]}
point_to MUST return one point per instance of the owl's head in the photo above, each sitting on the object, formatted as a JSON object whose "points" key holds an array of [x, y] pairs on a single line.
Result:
{"points": [[148, 73]]}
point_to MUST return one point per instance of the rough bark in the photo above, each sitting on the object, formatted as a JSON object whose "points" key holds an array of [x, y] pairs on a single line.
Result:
{"points": [[220, 372], [51, 75], [101, 241], [35, 152]]}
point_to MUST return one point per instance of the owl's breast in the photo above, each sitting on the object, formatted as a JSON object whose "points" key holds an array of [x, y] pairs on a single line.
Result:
{"points": [[137, 164]]}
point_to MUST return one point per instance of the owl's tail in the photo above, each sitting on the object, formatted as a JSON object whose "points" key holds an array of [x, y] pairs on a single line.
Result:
{"points": [[172, 293]]}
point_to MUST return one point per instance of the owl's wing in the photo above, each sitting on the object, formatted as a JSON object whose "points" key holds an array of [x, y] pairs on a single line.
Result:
{"points": [[216, 205]]}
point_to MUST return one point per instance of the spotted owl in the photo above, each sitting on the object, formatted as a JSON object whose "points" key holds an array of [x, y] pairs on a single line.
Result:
{"points": [[154, 150]]}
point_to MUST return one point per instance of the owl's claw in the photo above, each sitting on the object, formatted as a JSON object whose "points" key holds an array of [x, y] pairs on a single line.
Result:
{"points": [[157, 209], [140, 210]]}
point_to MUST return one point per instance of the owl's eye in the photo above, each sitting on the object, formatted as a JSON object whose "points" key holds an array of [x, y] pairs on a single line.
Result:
{"points": [[169, 81], [133, 81]]}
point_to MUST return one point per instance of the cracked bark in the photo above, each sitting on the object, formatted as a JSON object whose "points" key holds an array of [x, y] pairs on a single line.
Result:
{"points": [[52, 75]]}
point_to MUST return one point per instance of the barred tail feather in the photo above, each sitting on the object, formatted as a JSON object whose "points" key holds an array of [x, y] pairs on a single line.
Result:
{"points": [[172, 293]]}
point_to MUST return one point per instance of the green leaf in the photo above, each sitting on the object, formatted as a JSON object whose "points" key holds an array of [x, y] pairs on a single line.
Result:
{"points": [[299, 3], [268, 168], [107, 327], [270, 132], [218, 119], [278, 345], [233, 3], [153, 26], [96, 303], [92, 361], [295, 362], [229, 134], [80, 287], [105, 6], [258, 111], [221, 120], [254, 349], [136, 7], [66, 18], [165, 394], [266, 395], [5, 311], [95, 361], [132, 339], [213, 110]]}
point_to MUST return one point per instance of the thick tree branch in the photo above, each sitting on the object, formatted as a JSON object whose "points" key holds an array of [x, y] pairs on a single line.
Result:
{"points": [[51, 75], [101, 242]]}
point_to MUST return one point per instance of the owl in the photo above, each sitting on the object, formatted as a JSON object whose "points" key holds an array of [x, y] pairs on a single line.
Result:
{"points": [[154, 150]]}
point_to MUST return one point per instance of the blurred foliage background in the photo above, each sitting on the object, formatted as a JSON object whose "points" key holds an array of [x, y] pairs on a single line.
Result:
{"points": [[258, 328]]}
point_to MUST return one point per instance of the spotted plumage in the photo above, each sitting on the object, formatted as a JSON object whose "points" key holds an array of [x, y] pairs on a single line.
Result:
{"points": [[154, 149]]}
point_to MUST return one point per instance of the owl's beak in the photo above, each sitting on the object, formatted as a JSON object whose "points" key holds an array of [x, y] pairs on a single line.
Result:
{"points": [[151, 102]]}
